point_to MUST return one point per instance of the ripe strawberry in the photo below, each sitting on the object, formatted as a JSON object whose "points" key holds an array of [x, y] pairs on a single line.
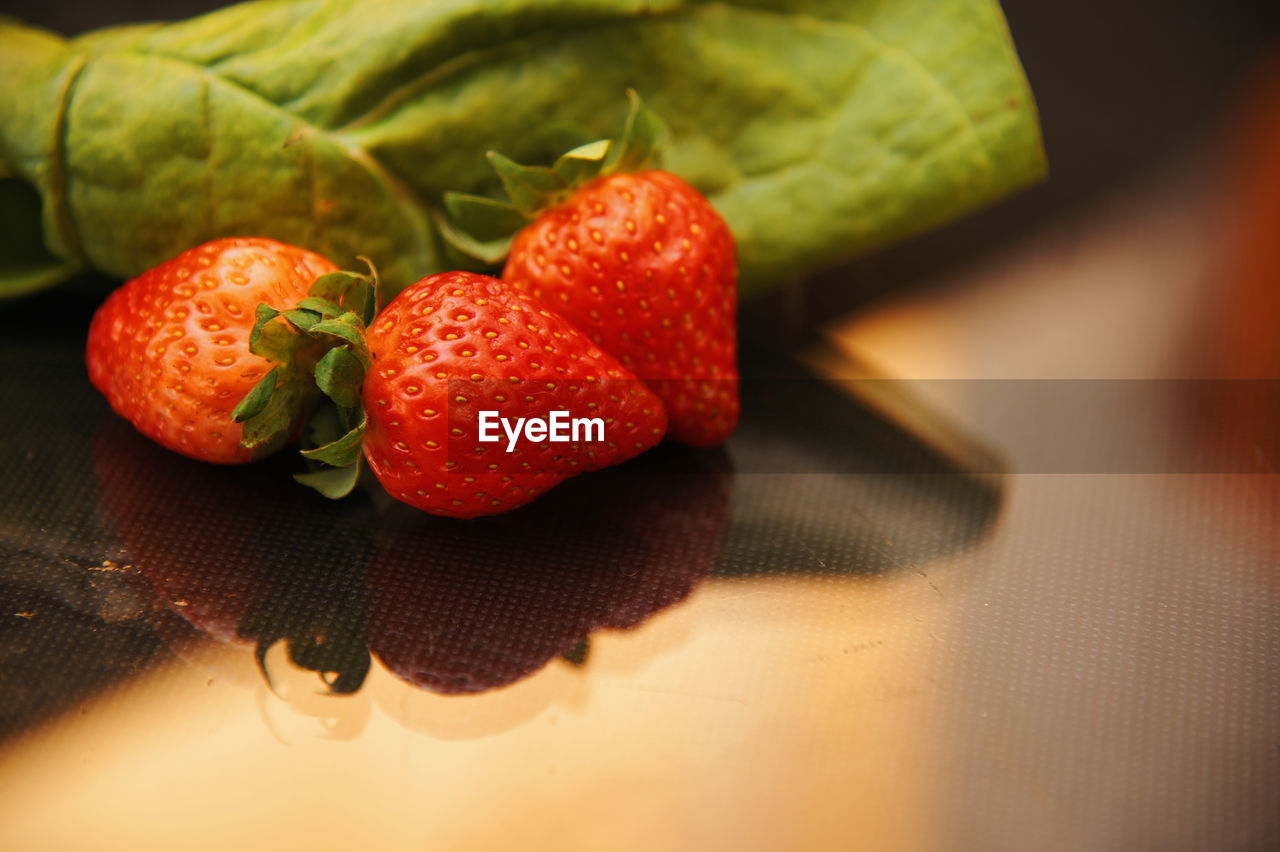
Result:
{"points": [[645, 266], [457, 344], [170, 348]]}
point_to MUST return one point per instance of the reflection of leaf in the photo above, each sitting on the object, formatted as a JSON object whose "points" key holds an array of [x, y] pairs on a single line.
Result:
{"points": [[818, 127]]}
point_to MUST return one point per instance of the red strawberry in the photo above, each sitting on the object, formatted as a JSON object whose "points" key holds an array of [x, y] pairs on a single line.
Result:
{"points": [[645, 266], [170, 349], [458, 344]]}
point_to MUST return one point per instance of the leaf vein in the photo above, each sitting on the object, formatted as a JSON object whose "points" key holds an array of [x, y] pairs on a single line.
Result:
{"points": [[411, 206]]}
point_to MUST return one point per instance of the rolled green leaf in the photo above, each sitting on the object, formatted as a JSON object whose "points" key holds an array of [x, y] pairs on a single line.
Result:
{"points": [[819, 128]]}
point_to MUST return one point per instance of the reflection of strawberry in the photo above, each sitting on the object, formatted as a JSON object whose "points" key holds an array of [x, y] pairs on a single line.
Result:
{"points": [[459, 609], [242, 554]]}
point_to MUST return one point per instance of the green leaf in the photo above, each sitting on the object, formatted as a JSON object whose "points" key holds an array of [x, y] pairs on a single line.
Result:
{"points": [[19, 279], [819, 128], [256, 400], [26, 266], [339, 374]]}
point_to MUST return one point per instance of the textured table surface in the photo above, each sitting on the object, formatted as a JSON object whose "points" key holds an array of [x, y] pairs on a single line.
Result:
{"points": [[1024, 597]]}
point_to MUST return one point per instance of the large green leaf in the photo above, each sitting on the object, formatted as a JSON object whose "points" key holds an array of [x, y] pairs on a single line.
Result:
{"points": [[818, 127]]}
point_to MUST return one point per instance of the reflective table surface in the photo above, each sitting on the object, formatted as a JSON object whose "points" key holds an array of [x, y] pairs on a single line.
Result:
{"points": [[855, 626]]}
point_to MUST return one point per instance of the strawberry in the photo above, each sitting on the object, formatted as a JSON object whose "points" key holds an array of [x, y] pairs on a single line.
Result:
{"points": [[457, 344], [635, 257], [170, 348]]}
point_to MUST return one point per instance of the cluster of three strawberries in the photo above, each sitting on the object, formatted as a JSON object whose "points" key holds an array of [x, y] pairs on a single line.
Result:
{"points": [[617, 305]]}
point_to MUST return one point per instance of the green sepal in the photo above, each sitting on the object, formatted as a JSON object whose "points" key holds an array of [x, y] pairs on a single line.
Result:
{"points": [[333, 482], [280, 341], [334, 286], [275, 422], [339, 374], [350, 291], [322, 355], [346, 329], [256, 400], [323, 308], [490, 253], [344, 450], [267, 340], [531, 188], [373, 295], [481, 229], [485, 219], [582, 163], [301, 318], [642, 139]]}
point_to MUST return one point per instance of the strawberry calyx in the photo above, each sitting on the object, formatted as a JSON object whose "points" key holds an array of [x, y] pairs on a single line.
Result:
{"points": [[321, 355], [482, 228]]}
